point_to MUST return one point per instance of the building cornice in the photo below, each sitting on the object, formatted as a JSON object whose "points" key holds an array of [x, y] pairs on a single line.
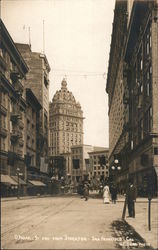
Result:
{"points": [[12, 49]]}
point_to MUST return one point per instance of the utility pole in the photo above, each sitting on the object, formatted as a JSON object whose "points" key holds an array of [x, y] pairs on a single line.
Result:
{"points": [[43, 39], [18, 182]]}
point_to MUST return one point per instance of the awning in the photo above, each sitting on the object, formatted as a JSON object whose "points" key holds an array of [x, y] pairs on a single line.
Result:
{"points": [[21, 182], [36, 183], [8, 180]]}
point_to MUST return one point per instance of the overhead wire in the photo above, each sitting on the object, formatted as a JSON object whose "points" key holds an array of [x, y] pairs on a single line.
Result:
{"points": [[78, 73]]}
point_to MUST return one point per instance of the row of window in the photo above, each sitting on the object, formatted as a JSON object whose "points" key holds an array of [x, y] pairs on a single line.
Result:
{"points": [[100, 168], [100, 173]]}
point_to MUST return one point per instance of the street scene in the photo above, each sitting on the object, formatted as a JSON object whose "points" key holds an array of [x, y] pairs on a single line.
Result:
{"points": [[79, 124], [69, 222]]}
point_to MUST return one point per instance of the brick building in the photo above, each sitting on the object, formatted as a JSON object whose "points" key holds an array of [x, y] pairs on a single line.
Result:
{"points": [[132, 87]]}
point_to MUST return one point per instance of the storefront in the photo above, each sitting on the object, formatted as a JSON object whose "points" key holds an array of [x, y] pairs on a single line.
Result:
{"points": [[8, 186], [36, 187]]}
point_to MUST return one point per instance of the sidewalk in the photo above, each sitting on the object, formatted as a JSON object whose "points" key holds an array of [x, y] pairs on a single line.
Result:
{"points": [[140, 222]]}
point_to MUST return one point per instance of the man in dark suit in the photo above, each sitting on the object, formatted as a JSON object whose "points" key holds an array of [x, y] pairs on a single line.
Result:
{"points": [[131, 195], [86, 191]]}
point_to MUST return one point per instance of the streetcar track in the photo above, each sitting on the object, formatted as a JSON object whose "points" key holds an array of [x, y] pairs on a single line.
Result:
{"points": [[51, 214], [37, 212], [4, 235], [25, 220]]}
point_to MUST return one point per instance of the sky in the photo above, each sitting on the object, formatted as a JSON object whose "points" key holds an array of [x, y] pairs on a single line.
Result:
{"points": [[75, 35]]}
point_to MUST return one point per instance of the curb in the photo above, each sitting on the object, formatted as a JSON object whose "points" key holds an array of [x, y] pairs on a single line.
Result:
{"points": [[36, 197], [139, 235]]}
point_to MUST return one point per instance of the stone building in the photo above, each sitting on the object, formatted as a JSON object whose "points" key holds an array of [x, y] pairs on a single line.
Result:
{"points": [[99, 163], [132, 87], [65, 124], [38, 81], [13, 105], [80, 162], [32, 132]]}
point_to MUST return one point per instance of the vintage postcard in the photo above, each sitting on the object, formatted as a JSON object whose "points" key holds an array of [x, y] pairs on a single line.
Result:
{"points": [[79, 124]]}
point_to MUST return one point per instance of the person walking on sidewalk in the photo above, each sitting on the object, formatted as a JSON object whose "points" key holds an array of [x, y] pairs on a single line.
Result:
{"points": [[113, 192], [131, 195], [106, 195], [86, 191]]}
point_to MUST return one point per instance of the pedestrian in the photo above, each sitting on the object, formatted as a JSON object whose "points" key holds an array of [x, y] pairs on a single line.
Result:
{"points": [[86, 191], [113, 191], [131, 195], [106, 194]]}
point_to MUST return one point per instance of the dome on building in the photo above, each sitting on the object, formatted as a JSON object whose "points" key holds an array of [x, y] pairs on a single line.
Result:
{"points": [[64, 84], [63, 95]]}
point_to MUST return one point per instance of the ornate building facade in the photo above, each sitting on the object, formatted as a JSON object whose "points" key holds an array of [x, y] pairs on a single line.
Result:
{"points": [[13, 105], [38, 81], [65, 124], [19, 120], [132, 87]]}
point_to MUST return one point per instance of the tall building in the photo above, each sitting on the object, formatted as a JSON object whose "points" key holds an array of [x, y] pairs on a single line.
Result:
{"points": [[132, 87], [13, 105], [99, 163], [32, 133], [65, 124], [80, 162], [38, 81]]}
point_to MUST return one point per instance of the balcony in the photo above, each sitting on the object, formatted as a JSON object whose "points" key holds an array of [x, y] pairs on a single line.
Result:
{"points": [[3, 110], [15, 136], [14, 116], [3, 132], [18, 86], [21, 124], [21, 142], [3, 62], [14, 75], [20, 152]]}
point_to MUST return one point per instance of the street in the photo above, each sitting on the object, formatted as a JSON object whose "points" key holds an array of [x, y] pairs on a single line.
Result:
{"points": [[67, 222]]}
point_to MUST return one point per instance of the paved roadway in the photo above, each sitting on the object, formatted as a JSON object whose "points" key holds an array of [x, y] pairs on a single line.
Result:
{"points": [[60, 223]]}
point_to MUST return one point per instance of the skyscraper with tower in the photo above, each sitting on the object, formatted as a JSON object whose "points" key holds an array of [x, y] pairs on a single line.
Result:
{"points": [[65, 124]]}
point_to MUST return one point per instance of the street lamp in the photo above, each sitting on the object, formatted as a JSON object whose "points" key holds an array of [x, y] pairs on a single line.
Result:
{"points": [[116, 167], [116, 161], [18, 174]]}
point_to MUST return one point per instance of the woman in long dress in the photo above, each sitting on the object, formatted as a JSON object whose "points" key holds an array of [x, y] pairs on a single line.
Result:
{"points": [[106, 195]]}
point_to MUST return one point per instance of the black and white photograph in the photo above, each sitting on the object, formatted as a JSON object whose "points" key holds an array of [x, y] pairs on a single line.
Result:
{"points": [[79, 124]]}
